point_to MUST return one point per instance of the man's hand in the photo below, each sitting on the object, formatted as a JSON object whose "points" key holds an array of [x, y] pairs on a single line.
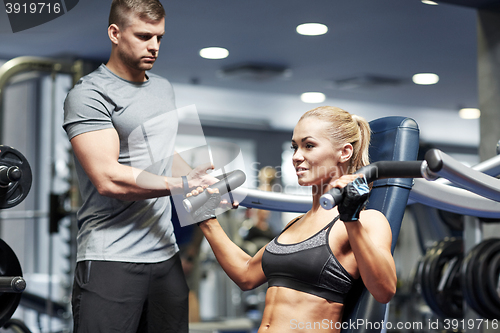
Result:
{"points": [[198, 177]]}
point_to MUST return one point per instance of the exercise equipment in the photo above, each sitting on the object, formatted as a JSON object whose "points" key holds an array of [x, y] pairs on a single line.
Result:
{"points": [[443, 283], [15, 177], [11, 283], [15, 183], [393, 139], [446, 277], [17, 326], [436, 164], [27, 63], [375, 171], [441, 195], [480, 276], [438, 276], [230, 182]]}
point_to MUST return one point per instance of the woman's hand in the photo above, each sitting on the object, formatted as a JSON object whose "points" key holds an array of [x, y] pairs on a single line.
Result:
{"points": [[207, 211], [355, 195]]}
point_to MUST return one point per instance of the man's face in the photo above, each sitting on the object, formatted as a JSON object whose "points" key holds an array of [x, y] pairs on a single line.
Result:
{"points": [[139, 43]]}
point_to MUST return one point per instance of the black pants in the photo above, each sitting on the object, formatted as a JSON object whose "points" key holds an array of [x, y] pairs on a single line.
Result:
{"points": [[130, 298]]}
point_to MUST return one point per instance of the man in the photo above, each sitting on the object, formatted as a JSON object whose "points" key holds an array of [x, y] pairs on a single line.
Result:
{"points": [[120, 121]]}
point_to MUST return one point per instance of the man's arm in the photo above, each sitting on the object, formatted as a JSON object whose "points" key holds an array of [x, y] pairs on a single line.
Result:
{"points": [[98, 153]]}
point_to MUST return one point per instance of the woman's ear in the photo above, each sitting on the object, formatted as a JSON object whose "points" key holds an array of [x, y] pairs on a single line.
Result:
{"points": [[113, 33], [346, 153]]}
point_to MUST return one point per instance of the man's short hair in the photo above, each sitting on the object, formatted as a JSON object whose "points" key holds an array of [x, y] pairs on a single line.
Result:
{"points": [[121, 11]]}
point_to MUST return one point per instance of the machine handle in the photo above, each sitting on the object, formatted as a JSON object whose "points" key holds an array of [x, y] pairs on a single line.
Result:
{"points": [[374, 171]]}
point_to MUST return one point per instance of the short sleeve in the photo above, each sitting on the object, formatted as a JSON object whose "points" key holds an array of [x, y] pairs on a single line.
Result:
{"points": [[86, 109]]}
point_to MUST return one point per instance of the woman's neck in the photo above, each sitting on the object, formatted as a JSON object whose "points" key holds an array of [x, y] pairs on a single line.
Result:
{"points": [[319, 190]]}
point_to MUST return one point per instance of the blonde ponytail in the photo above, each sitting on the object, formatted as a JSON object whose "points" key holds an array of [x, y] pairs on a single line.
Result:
{"points": [[361, 157]]}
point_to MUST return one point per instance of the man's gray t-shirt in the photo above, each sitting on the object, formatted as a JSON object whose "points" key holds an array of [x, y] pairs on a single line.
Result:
{"points": [[145, 118]]}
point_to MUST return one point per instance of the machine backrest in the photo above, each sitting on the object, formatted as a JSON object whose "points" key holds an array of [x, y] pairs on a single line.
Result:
{"points": [[393, 139]]}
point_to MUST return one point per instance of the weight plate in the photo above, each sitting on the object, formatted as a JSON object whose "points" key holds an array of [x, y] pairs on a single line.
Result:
{"points": [[439, 276], [487, 300], [426, 278], [467, 280], [469, 283], [9, 266], [15, 192], [493, 279]]}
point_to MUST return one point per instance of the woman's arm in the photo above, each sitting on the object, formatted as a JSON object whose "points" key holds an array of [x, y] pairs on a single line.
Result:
{"points": [[244, 270], [370, 238]]}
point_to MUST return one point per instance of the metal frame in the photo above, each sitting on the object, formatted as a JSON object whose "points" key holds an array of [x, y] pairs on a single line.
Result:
{"points": [[26, 64], [438, 194]]}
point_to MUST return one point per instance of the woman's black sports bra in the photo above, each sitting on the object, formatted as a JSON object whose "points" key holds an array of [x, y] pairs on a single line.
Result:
{"points": [[308, 266]]}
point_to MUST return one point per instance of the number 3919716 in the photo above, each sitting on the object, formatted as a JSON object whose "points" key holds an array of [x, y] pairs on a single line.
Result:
{"points": [[32, 8]]}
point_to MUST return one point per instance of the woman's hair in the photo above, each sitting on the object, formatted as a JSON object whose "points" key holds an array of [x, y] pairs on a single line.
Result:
{"points": [[346, 128], [146, 9]]}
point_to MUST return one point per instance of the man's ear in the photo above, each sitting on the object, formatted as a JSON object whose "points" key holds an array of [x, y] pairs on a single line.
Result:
{"points": [[346, 153], [113, 33]]}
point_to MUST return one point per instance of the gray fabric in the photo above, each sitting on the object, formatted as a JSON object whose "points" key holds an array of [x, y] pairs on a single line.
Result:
{"points": [[145, 118]]}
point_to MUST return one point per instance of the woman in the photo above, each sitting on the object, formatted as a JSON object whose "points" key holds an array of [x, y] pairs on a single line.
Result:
{"points": [[313, 263]]}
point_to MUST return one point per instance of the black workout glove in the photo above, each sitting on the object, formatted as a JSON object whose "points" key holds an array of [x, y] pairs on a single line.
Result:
{"points": [[355, 196], [207, 211]]}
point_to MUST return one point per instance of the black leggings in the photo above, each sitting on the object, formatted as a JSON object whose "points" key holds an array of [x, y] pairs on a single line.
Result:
{"points": [[129, 297]]}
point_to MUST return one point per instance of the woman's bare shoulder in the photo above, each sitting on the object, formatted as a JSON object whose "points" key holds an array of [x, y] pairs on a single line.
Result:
{"points": [[376, 223]]}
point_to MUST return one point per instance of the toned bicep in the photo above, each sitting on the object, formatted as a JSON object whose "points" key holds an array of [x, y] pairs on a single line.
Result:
{"points": [[255, 268], [97, 152]]}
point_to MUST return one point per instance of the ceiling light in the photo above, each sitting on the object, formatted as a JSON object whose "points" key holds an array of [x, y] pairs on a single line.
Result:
{"points": [[429, 2], [312, 97], [425, 78], [214, 53], [312, 29], [469, 113]]}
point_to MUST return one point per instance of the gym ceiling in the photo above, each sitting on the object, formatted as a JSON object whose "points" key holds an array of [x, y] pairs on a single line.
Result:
{"points": [[370, 52]]}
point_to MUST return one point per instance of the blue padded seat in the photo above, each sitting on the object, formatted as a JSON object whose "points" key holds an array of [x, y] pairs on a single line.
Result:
{"points": [[393, 139]]}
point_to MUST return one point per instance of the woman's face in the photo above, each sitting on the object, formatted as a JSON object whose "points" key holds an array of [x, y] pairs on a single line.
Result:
{"points": [[316, 159]]}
